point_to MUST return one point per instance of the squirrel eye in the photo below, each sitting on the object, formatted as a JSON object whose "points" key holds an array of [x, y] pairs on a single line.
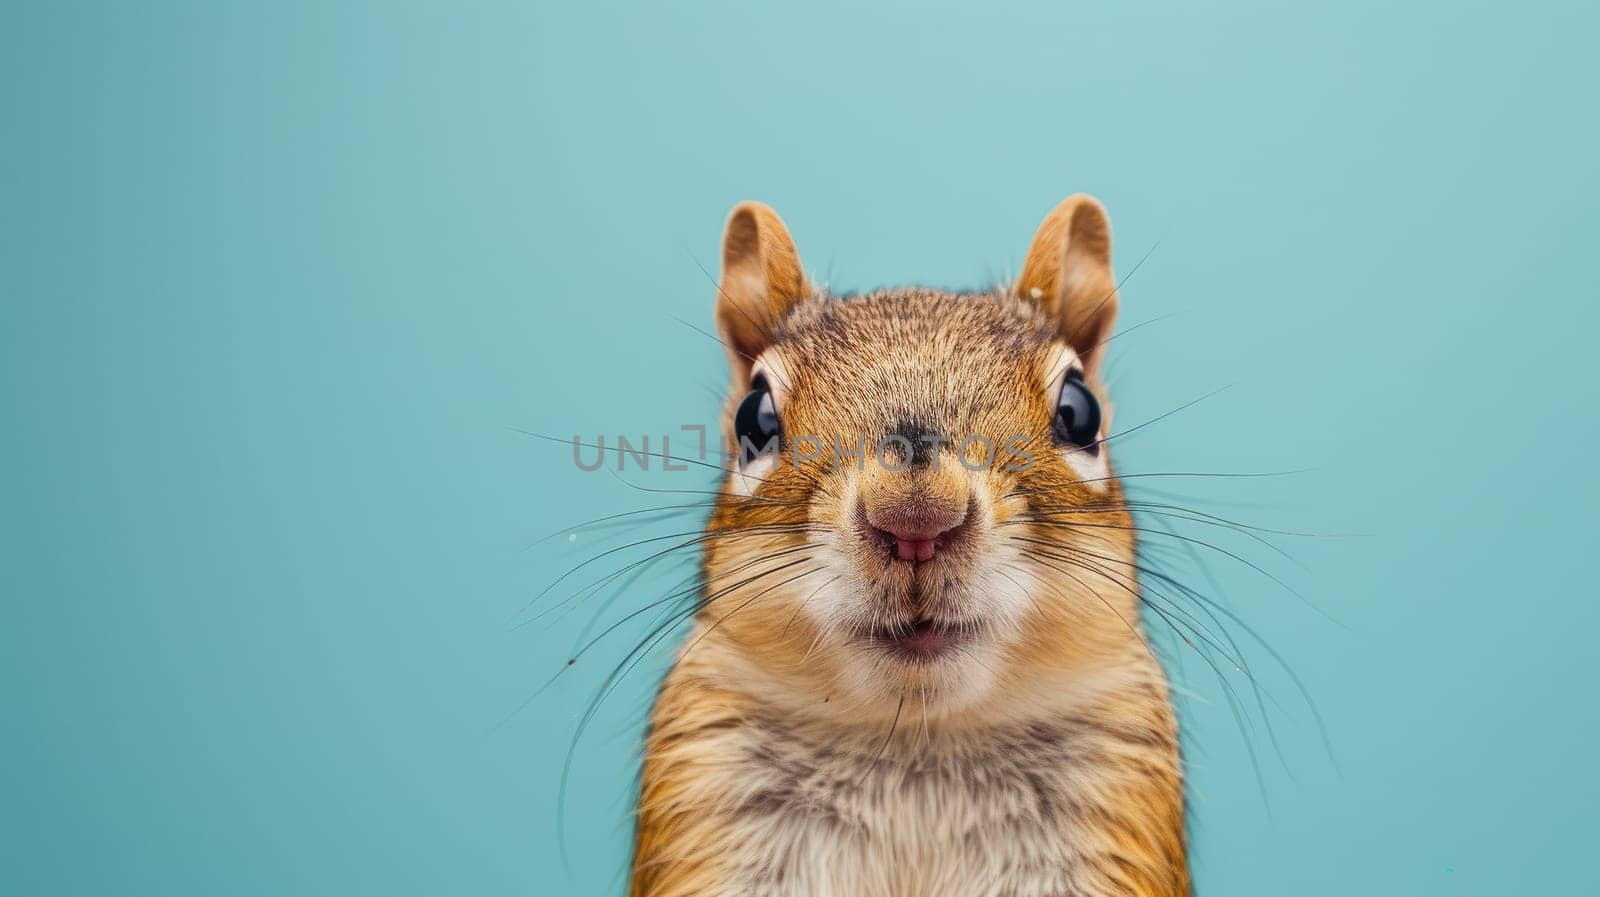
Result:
{"points": [[1077, 417], [755, 424]]}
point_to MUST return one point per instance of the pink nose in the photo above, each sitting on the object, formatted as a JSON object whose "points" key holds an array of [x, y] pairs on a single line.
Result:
{"points": [[917, 529]]}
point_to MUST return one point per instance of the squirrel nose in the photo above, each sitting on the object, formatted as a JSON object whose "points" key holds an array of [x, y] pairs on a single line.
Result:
{"points": [[916, 529]]}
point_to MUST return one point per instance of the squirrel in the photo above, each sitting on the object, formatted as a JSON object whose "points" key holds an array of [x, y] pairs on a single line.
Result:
{"points": [[917, 666]]}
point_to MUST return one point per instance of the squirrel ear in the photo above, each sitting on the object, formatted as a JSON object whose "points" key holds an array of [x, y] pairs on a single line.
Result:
{"points": [[761, 278], [1068, 274]]}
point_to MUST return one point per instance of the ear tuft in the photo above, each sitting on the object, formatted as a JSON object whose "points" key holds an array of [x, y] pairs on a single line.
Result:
{"points": [[761, 279], [1067, 273]]}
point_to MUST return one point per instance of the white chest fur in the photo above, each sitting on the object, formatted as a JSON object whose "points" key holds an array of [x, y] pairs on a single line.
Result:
{"points": [[996, 815]]}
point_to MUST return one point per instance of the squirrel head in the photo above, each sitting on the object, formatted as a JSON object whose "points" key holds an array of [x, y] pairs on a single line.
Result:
{"points": [[920, 500]]}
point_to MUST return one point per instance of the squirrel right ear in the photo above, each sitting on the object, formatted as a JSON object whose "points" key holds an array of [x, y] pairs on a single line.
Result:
{"points": [[761, 278], [1068, 274]]}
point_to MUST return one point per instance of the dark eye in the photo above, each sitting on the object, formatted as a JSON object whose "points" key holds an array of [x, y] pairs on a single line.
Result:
{"points": [[1077, 420], [755, 424]]}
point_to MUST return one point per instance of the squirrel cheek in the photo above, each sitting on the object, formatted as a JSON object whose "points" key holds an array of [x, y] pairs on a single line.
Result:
{"points": [[1093, 468], [745, 480]]}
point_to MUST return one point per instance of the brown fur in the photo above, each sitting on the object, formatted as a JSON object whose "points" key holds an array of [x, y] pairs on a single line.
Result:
{"points": [[1042, 762]]}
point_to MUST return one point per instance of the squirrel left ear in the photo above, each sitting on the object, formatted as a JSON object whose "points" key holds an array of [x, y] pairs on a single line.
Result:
{"points": [[1068, 274], [761, 278]]}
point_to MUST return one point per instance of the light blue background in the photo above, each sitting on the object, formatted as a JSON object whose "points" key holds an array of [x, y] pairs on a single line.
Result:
{"points": [[279, 282]]}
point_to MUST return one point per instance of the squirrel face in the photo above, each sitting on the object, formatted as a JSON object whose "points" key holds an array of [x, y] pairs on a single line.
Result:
{"points": [[923, 500]]}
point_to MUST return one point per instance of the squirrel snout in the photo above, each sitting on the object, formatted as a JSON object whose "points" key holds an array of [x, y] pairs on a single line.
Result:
{"points": [[916, 526]]}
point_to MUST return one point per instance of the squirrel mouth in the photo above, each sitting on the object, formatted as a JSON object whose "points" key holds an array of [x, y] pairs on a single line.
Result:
{"points": [[923, 640]]}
